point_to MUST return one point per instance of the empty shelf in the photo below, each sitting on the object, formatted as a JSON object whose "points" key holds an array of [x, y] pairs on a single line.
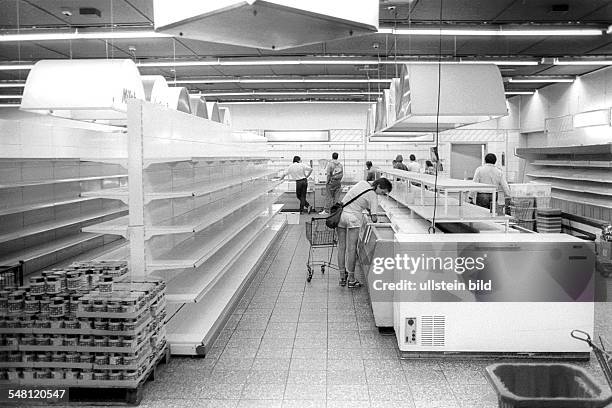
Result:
{"points": [[40, 206], [162, 160], [196, 250], [56, 245], [585, 187], [56, 224], [59, 181], [193, 329], [193, 284], [596, 176], [192, 221], [574, 163], [579, 198], [120, 253], [602, 151], [194, 190]]}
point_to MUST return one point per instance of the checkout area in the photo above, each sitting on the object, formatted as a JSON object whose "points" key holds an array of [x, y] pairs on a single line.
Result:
{"points": [[472, 283]]}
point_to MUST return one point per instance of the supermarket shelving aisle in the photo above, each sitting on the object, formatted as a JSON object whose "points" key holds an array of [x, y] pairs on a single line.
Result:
{"points": [[293, 344]]}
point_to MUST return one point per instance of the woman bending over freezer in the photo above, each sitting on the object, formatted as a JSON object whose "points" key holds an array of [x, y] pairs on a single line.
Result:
{"points": [[350, 221]]}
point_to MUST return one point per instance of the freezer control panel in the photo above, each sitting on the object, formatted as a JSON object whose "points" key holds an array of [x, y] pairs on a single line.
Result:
{"points": [[411, 330]]}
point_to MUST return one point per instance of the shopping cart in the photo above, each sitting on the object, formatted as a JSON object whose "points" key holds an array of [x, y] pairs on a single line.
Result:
{"points": [[319, 236], [604, 357]]}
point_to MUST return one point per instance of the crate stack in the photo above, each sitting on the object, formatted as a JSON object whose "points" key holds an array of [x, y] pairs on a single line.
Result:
{"points": [[83, 326], [522, 211], [548, 220], [525, 199]]}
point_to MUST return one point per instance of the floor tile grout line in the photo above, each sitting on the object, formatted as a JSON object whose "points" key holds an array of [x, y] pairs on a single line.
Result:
{"points": [[277, 248], [276, 302]]}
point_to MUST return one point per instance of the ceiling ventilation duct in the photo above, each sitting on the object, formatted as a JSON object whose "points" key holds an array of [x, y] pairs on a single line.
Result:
{"points": [[225, 117], [154, 87], [272, 24], [213, 111], [469, 93], [82, 89], [177, 98], [198, 106]]}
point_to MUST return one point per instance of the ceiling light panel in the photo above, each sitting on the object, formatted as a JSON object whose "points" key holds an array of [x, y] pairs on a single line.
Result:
{"points": [[79, 35], [502, 32], [540, 80], [279, 81]]}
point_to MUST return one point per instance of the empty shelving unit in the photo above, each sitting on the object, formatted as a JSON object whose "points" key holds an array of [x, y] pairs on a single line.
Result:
{"points": [[43, 180], [580, 177], [201, 216]]}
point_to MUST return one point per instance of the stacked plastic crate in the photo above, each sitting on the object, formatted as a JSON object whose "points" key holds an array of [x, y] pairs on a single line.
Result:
{"points": [[85, 325], [548, 220], [525, 199]]}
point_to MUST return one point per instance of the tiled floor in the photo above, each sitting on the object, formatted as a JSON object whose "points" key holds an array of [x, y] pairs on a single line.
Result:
{"points": [[293, 344]]}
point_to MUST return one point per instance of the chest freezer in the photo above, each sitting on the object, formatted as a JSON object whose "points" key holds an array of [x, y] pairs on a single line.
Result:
{"points": [[521, 294]]}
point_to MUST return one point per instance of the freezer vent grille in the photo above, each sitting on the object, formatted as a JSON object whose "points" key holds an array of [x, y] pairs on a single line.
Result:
{"points": [[433, 331]]}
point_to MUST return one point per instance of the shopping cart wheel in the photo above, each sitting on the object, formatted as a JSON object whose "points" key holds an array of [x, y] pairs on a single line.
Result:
{"points": [[322, 268], [309, 278]]}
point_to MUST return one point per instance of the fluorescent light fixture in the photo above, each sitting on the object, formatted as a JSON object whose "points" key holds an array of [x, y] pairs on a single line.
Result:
{"points": [[12, 84], [10, 105], [501, 62], [582, 62], [16, 67], [10, 96], [540, 80], [599, 117], [328, 61], [250, 62], [288, 93], [276, 81], [493, 32], [219, 62], [519, 92], [80, 35], [277, 102]]}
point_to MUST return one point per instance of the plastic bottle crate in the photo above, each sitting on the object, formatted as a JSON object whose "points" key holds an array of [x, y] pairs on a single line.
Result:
{"points": [[538, 385]]}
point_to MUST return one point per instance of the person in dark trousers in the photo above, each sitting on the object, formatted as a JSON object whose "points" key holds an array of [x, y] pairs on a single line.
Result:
{"points": [[371, 171], [334, 172], [490, 174], [300, 172]]}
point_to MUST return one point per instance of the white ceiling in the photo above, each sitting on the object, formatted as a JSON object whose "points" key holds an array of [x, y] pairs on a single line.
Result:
{"points": [[130, 14]]}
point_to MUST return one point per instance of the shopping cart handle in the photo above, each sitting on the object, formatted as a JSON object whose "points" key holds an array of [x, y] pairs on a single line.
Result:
{"points": [[580, 335]]}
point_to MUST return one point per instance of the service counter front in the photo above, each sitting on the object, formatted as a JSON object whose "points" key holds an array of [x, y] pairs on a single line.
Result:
{"points": [[476, 286]]}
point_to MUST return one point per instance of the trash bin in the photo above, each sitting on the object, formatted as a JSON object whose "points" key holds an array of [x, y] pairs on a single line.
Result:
{"points": [[538, 385]]}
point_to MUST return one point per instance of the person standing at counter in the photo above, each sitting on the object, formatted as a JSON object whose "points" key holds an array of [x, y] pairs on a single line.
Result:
{"points": [[371, 171], [334, 172], [399, 163], [490, 174], [350, 221], [414, 165], [300, 172], [429, 168]]}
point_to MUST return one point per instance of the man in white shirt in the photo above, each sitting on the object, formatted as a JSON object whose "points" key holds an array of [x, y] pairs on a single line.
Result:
{"points": [[490, 174], [299, 172], [413, 165]]}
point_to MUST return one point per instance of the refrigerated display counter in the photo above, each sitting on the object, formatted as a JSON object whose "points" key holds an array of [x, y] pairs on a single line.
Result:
{"points": [[509, 294]]}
